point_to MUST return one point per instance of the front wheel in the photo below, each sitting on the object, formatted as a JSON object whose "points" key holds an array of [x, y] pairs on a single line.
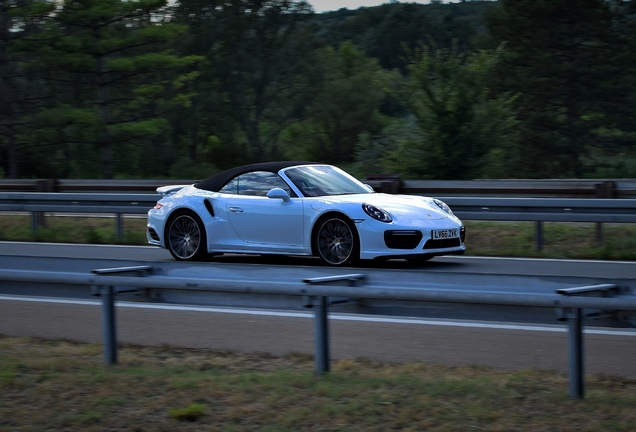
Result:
{"points": [[185, 237], [336, 241]]}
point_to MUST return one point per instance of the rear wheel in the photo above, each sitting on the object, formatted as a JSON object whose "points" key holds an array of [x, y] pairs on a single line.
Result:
{"points": [[336, 241], [185, 237]]}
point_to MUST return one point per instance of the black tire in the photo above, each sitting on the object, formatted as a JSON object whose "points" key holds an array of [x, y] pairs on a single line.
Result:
{"points": [[336, 241], [185, 237]]}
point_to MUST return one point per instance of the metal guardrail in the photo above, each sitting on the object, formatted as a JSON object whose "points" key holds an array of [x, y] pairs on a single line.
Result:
{"points": [[84, 203], [493, 209], [621, 188], [107, 283], [567, 188], [77, 203], [537, 210], [542, 210]]}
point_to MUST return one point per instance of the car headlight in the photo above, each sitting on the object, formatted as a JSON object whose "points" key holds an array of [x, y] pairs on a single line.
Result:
{"points": [[376, 213], [443, 206]]}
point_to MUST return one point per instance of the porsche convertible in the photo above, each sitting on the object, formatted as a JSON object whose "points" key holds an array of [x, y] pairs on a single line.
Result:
{"points": [[300, 208]]}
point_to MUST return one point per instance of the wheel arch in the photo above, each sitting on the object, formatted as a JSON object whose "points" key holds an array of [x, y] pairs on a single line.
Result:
{"points": [[322, 218], [187, 207], [180, 211]]}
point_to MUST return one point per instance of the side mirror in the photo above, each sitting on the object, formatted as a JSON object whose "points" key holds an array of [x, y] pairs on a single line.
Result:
{"points": [[278, 193]]}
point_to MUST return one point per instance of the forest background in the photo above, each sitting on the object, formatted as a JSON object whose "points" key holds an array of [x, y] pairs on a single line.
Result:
{"points": [[477, 89]]}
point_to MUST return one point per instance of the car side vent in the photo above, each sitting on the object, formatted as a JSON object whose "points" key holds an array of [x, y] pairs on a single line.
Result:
{"points": [[208, 205]]}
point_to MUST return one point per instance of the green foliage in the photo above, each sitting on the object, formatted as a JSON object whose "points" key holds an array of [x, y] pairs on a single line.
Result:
{"points": [[569, 65], [109, 62], [185, 168], [463, 125], [382, 154], [391, 31], [151, 88], [349, 90]]}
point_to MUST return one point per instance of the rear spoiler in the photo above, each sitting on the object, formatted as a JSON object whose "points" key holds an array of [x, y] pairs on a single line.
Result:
{"points": [[169, 190]]}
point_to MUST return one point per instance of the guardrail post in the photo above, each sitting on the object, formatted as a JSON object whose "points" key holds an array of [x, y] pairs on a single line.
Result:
{"points": [[108, 293], [34, 221], [119, 227], [321, 314], [575, 317], [321, 336], [599, 232], [109, 329], [606, 190], [539, 236], [575, 354]]}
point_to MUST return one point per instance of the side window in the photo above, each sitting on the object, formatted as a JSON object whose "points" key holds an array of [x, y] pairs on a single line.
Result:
{"points": [[258, 183], [231, 187]]}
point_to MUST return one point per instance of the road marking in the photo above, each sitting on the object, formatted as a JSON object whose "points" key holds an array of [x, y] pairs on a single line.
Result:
{"points": [[333, 316], [572, 260]]}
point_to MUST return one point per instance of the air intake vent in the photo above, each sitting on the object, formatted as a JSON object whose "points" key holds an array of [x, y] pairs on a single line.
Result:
{"points": [[153, 234], [208, 205], [405, 239]]}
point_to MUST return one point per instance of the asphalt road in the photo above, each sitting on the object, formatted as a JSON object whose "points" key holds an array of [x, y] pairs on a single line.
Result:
{"points": [[437, 343], [508, 348], [447, 264]]}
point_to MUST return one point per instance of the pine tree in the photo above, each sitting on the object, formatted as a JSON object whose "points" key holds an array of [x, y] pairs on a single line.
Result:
{"points": [[558, 55], [19, 95], [112, 67]]}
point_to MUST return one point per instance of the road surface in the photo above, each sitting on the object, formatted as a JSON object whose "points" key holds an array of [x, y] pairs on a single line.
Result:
{"points": [[454, 343]]}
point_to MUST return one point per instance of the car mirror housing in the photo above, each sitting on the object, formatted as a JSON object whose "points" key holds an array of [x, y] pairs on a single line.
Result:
{"points": [[278, 193]]}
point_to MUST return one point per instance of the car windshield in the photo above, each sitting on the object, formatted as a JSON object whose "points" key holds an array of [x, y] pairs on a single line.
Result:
{"points": [[323, 180]]}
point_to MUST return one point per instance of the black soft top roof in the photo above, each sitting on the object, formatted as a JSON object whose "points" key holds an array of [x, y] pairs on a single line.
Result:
{"points": [[217, 181]]}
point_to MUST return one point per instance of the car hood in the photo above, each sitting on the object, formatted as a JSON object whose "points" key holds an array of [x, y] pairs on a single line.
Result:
{"points": [[401, 207]]}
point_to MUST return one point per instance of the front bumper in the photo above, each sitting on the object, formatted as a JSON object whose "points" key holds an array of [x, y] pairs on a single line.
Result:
{"points": [[404, 242]]}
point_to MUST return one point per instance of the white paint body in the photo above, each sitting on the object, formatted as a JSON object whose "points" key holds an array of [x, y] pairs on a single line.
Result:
{"points": [[264, 225]]}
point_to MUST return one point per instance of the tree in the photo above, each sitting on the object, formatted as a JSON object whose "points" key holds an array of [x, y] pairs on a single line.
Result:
{"points": [[349, 88], [110, 62], [560, 56], [19, 95], [254, 76], [390, 31], [462, 124]]}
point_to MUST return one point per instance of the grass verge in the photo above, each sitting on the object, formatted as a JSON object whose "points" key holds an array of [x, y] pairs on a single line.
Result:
{"points": [[560, 240], [62, 385]]}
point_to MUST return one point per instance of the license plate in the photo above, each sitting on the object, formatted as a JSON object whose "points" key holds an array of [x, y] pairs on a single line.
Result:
{"points": [[445, 233]]}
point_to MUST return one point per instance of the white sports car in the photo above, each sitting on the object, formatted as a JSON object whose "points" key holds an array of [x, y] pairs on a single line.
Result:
{"points": [[300, 208]]}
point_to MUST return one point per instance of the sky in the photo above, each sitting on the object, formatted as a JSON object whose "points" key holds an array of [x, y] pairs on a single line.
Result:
{"points": [[330, 5]]}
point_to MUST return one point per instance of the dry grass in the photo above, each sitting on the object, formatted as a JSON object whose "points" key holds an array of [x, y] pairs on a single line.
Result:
{"points": [[65, 229], [64, 386], [561, 240]]}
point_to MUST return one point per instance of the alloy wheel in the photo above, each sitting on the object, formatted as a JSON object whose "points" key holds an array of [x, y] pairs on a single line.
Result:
{"points": [[184, 237], [335, 242]]}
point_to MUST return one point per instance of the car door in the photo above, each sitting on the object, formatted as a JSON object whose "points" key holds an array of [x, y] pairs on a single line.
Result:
{"points": [[267, 223]]}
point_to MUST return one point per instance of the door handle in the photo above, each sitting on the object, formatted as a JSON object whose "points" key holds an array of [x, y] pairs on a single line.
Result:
{"points": [[236, 210]]}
